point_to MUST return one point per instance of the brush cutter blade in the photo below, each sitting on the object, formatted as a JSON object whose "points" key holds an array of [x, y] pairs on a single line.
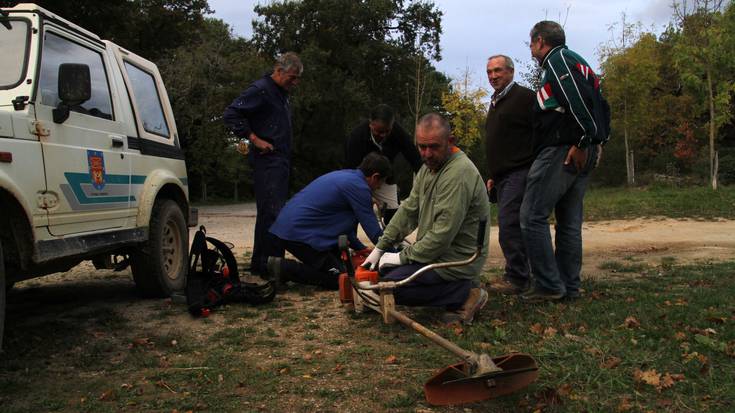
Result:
{"points": [[455, 384]]}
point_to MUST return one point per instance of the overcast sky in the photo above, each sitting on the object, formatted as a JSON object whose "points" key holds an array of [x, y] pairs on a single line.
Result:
{"points": [[476, 29]]}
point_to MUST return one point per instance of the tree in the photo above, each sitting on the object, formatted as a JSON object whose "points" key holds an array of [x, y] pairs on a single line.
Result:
{"points": [[356, 55], [631, 67], [200, 89], [466, 110], [146, 27], [705, 61]]}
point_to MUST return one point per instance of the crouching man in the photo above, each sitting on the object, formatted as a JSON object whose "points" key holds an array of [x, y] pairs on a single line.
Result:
{"points": [[310, 223], [446, 204]]}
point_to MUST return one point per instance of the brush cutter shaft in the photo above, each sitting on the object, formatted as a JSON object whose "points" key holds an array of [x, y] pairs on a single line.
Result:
{"points": [[468, 356]]}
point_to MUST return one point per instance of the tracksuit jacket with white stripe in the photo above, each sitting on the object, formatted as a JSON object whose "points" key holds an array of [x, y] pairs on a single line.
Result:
{"points": [[570, 108]]}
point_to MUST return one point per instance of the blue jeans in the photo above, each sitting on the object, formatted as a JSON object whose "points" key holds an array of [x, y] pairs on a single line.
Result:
{"points": [[511, 187], [551, 185], [270, 181]]}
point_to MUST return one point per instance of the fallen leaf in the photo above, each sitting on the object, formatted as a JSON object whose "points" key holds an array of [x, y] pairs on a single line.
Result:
{"points": [[593, 351], [497, 323], [564, 390], [680, 336], [572, 337], [631, 322], [458, 330], [308, 357], [283, 371], [650, 377], [549, 332], [220, 378], [107, 395], [624, 404], [664, 403], [338, 368], [537, 329], [306, 376], [629, 299], [485, 346], [717, 320], [666, 381], [611, 363], [391, 359]]}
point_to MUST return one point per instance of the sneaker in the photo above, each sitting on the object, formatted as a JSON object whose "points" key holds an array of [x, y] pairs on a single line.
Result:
{"points": [[540, 295], [475, 302], [506, 287]]}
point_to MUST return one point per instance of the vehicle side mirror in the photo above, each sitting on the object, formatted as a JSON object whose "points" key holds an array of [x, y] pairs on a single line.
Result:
{"points": [[75, 88]]}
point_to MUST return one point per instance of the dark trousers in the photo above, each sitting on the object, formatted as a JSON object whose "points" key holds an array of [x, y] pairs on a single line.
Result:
{"points": [[511, 187], [270, 180], [429, 289], [320, 268]]}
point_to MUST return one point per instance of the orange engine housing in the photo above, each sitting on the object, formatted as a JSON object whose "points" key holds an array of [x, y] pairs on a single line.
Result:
{"points": [[345, 286]]}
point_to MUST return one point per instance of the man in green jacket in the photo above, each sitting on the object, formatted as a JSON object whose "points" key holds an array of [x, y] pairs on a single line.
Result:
{"points": [[446, 204]]}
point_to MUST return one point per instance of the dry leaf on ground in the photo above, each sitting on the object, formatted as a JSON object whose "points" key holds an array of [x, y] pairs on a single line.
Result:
{"points": [[631, 322], [611, 363]]}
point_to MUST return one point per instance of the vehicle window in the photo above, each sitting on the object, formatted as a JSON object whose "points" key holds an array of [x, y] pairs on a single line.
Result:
{"points": [[149, 105], [14, 44], [58, 50]]}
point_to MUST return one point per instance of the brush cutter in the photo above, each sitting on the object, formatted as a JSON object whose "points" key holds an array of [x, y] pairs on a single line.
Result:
{"points": [[478, 377]]}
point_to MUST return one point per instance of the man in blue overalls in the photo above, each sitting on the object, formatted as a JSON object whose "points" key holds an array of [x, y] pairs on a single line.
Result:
{"points": [[261, 117]]}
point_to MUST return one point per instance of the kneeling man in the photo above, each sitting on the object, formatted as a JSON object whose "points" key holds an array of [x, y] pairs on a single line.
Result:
{"points": [[446, 204], [310, 223]]}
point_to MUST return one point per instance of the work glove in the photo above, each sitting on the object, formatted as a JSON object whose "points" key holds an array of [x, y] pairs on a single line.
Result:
{"points": [[371, 262], [389, 260]]}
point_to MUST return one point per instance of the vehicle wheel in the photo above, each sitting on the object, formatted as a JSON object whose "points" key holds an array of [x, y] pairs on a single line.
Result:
{"points": [[160, 265], [2, 296]]}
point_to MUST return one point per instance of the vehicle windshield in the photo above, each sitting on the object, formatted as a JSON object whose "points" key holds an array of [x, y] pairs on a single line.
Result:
{"points": [[14, 51]]}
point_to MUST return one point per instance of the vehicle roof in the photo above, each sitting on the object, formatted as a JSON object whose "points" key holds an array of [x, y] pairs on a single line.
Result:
{"points": [[30, 7]]}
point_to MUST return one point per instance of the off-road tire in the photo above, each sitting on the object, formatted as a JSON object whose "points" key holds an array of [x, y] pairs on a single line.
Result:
{"points": [[159, 266], [2, 296]]}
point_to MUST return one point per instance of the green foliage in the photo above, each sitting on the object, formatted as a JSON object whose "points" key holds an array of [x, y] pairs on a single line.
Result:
{"points": [[356, 55], [200, 89], [146, 27], [463, 103]]}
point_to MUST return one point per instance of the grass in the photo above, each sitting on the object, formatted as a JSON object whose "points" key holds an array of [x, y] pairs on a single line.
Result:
{"points": [[662, 338], [660, 201]]}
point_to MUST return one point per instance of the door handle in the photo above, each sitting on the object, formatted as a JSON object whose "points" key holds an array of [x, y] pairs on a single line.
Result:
{"points": [[117, 142]]}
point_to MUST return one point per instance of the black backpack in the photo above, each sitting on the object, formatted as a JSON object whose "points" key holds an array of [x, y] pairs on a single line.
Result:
{"points": [[213, 278]]}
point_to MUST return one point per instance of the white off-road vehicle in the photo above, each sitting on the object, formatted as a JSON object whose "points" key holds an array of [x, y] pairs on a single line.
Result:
{"points": [[90, 162]]}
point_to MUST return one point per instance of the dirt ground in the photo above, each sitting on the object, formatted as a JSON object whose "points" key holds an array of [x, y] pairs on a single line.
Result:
{"points": [[647, 240]]}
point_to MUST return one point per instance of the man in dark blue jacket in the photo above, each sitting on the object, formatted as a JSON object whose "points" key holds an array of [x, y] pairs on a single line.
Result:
{"points": [[261, 117], [571, 122], [310, 223]]}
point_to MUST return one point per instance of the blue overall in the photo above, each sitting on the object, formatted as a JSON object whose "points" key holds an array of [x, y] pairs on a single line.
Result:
{"points": [[263, 108]]}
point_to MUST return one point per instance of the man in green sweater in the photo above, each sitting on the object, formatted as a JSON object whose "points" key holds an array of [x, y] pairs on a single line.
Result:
{"points": [[446, 204]]}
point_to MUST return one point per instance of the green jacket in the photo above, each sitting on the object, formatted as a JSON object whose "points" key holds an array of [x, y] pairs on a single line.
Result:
{"points": [[446, 207]]}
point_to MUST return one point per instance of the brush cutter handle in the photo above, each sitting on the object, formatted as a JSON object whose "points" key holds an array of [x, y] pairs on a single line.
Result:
{"points": [[344, 248]]}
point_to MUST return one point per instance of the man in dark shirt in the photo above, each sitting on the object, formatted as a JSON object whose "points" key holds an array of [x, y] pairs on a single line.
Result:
{"points": [[383, 135], [261, 117], [509, 145], [310, 223]]}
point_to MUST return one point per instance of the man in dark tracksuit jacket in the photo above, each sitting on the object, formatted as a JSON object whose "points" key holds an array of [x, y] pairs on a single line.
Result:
{"points": [[381, 134], [509, 146], [571, 122], [261, 117]]}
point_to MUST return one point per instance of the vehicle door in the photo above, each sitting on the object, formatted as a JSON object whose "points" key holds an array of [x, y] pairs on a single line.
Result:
{"points": [[85, 157]]}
